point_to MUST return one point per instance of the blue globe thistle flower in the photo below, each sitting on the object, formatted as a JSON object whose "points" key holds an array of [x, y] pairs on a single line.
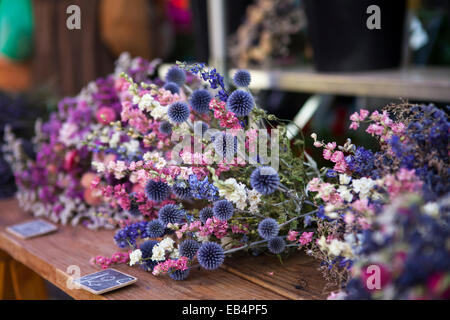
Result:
{"points": [[210, 255], [265, 180], [225, 144], [155, 229], [182, 190], [200, 100], [276, 245], [188, 248], [242, 78], [268, 228], [165, 127], [223, 210], [146, 249], [172, 87], [241, 103], [178, 112], [157, 190], [201, 127], [179, 275], [176, 75], [205, 214], [170, 213]]}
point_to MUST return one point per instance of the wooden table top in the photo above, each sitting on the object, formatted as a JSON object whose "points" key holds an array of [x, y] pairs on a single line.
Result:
{"points": [[245, 277]]}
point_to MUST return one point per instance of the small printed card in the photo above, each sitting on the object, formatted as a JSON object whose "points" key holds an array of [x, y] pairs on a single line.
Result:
{"points": [[32, 228], [104, 281]]}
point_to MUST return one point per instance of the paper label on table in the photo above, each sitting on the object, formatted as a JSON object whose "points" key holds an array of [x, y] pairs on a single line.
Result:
{"points": [[104, 281], [32, 228]]}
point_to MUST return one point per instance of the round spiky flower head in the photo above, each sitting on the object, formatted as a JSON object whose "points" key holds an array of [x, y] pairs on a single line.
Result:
{"points": [[188, 248], [155, 229], [225, 144], [200, 100], [176, 75], [172, 87], [205, 214], [210, 255], [178, 112], [182, 190], [223, 210], [146, 249], [170, 213], [242, 78], [179, 275], [265, 180], [240, 102], [268, 228], [277, 245], [165, 127], [157, 190]]}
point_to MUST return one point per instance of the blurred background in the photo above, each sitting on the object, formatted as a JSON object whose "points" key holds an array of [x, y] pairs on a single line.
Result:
{"points": [[314, 61], [311, 61]]}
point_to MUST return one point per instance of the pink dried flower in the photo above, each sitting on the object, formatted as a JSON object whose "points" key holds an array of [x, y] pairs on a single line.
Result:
{"points": [[237, 229], [375, 116], [354, 125], [318, 144], [214, 226], [227, 118], [355, 117], [363, 114], [361, 205], [104, 262], [165, 97], [327, 154], [340, 167], [105, 115], [314, 185], [398, 128], [375, 129], [331, 145], [306, 238], [292, 235], [338, 156], [170, 265]]}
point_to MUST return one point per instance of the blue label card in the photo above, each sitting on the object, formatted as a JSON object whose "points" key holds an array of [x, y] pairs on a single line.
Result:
{"points": [[32, 228], [104, 281]]}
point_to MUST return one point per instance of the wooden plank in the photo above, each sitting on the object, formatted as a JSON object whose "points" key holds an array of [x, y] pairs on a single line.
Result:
{"points": [[6, 287], [296, 278], [50, 255], [26, 283], [424, 83]]}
